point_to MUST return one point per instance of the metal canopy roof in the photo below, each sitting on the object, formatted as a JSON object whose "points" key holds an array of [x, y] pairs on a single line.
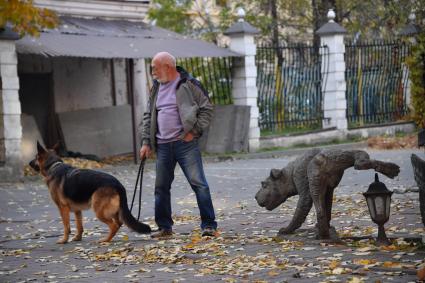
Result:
{"points": [[99, 38]]}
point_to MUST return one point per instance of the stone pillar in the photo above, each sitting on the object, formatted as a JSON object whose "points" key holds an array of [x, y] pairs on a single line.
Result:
{"points": [[141, 91], [334, 99], [10, 110], [244, 74]]}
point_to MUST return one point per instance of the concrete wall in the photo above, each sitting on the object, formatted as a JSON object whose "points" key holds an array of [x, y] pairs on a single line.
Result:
{"points": [[228, 131], [78, 84], [112, 135], [81, 83], [103, 131]]}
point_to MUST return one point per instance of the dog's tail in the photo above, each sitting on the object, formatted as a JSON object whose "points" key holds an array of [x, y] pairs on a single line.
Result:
{"points": [[126, 215]]}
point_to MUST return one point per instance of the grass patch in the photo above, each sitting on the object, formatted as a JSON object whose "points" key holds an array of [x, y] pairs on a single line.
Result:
{"points": [[290, 131], [303, 145]]}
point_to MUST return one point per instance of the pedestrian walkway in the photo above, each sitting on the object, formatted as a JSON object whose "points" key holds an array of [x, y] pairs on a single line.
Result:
{"points": [[246, 249]]}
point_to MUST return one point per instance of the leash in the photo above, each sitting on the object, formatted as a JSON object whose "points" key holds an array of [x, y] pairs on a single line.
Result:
{"points": [[139, 176]]}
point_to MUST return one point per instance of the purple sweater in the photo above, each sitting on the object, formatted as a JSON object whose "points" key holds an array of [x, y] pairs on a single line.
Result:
{"points": [[169, 124]]}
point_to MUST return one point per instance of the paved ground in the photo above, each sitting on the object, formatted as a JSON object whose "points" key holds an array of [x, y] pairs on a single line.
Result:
{"points": [[245, 251]]}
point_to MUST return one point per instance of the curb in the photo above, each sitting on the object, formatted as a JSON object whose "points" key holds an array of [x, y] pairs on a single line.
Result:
{"points": [[280, 153]]}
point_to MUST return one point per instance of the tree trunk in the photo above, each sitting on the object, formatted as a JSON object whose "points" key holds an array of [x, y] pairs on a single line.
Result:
{"points": [[275, 29]]}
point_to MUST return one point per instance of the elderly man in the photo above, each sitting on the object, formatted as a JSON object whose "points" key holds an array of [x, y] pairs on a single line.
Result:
{"points": [[178, 111]]}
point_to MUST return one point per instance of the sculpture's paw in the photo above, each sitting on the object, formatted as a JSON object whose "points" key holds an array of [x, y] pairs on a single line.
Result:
{"points": [[285, 231], [330, 236], [389, 169], [323, 236]]}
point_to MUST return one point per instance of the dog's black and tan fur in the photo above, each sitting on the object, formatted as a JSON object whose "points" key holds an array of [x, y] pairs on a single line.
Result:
{"points": [[74, 190]]}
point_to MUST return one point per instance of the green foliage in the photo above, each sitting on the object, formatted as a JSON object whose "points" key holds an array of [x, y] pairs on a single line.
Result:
{"points": [[295, 19], [172, 15], [25, 18], [417, 76]]}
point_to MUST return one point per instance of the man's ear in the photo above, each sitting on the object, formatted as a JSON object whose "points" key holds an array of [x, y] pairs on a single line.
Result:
{"points": [[275, 173], [40, 148], [57, 146]]}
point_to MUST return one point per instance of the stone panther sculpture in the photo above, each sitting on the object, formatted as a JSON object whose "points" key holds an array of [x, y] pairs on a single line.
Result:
{"points": [[314, 176]]}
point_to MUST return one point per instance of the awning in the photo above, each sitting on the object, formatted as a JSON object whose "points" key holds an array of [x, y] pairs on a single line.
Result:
{"points": [[99, 38]]}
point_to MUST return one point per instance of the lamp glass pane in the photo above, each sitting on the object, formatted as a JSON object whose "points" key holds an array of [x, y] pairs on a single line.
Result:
{"points": [[388, 205], [371, 206], [380, 206]]}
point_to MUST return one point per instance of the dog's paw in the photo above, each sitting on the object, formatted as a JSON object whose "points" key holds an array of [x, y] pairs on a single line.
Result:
{"points": [[62, 241], [77, 238], [104, 240]]}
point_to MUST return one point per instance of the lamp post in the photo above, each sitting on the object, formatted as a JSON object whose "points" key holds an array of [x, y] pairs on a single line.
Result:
{"points": [[378, 199]]}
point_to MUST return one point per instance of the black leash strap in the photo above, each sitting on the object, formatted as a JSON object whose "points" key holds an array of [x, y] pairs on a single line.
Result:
{"points": [[139, 176]]}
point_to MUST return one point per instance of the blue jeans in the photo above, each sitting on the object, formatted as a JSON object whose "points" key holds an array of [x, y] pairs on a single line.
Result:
{"points": [[188, 156]]}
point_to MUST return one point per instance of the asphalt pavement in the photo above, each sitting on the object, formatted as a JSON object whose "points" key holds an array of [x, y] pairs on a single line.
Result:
{"points": [[246, 249]]}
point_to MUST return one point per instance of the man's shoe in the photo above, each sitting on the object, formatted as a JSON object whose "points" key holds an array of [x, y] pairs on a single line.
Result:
{"points": [[162, 234], [208, 232]]}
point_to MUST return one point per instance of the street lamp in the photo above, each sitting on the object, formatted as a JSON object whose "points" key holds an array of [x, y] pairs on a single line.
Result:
{"points": [[378, 199]]}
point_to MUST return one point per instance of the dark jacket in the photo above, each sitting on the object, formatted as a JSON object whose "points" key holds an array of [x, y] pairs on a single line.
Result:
{"points": [[194, 106]]}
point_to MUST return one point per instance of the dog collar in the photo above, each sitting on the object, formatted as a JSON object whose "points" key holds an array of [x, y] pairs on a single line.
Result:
{"points": [[53, 166]]}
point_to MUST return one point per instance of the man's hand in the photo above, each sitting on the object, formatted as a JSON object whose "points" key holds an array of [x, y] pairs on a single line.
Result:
{"points": [[145, 152], [188, 137]]}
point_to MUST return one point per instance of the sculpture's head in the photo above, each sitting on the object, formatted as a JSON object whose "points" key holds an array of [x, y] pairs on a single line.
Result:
{"points": [[275, 189]]}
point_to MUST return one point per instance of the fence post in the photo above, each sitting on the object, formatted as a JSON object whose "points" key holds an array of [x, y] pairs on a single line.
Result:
{"points": [[244, 74], [10, 109], [333, 68]]}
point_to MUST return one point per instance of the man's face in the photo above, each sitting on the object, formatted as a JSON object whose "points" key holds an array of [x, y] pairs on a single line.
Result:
{"points": [[159, 71]]}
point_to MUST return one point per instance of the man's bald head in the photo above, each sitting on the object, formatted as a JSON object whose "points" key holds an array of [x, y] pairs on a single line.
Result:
{"points": [[165, 58], [164, 67]]}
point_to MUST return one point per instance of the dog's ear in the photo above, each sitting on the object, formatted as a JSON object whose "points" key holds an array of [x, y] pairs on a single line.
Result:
{"points": [[57, 146], [40, 148]]}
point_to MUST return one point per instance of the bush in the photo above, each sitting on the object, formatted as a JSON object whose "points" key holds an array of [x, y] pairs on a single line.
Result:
{"points": [[416, 64]]}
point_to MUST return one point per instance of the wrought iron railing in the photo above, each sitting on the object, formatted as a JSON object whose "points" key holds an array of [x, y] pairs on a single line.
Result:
{"points": [[377, 82], [213, 72], [215, 75], [289, 82]]}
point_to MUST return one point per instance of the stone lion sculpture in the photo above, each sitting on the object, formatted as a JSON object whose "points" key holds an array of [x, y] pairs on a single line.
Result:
{"points": [[314, 176]]}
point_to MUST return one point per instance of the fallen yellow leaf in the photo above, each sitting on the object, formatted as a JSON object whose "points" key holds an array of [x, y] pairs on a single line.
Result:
{"points": [[389, 248], [334, 264], [391, 264], [364, 261], [273, 273], [355, 280], [338, 271]]}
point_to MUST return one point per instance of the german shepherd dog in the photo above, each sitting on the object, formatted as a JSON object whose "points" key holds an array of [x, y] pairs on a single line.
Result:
{"points": [[74, 189]]}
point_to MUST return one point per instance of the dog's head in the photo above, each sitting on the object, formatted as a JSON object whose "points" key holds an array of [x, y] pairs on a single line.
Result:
{"points": [[275, 189], [45, 158]]}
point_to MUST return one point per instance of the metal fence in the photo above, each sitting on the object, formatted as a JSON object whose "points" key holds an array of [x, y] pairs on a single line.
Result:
{"points": [[215, 75], [289, 82], [377, 80], [213, 72]]}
